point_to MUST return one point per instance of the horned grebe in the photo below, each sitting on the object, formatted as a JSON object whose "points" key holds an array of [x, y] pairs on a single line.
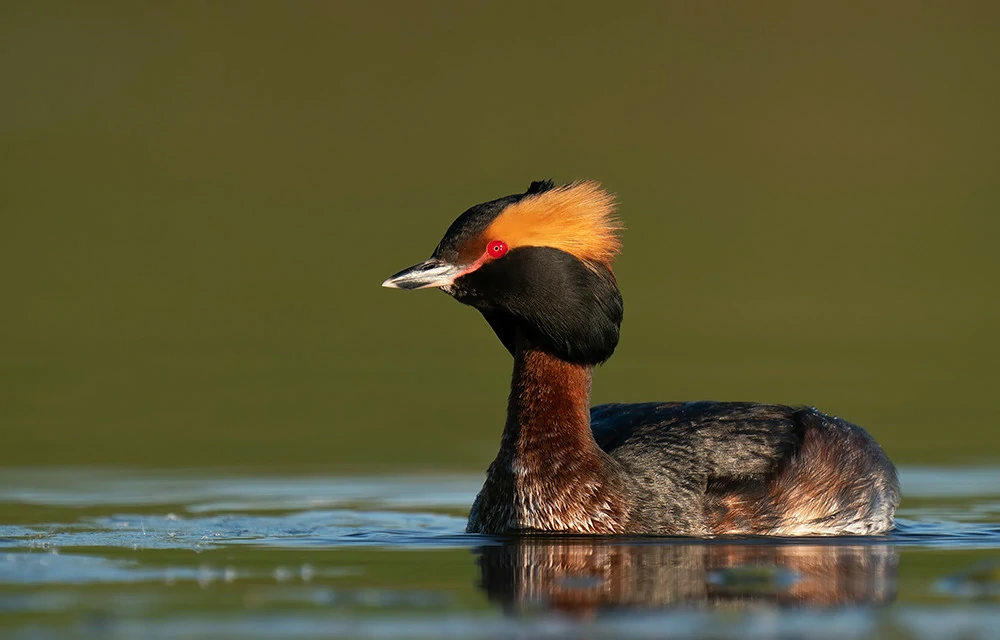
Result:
{"points": [[537, 265]]}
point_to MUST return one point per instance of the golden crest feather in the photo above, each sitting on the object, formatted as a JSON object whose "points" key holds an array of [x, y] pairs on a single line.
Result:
{"points": [[577, 218]]}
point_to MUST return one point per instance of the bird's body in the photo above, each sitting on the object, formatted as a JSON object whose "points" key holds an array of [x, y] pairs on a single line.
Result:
{"points": [[537, 266]]}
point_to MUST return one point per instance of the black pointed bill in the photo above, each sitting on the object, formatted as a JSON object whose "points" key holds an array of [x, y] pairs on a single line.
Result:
{"points": [[431, 273]]}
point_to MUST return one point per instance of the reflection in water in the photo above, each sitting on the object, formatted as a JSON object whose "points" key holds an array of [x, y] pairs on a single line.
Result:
{"points": [[586, 576]]}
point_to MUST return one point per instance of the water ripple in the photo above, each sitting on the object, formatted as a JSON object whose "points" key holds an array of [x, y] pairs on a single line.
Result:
{"points": [[405, 511]]}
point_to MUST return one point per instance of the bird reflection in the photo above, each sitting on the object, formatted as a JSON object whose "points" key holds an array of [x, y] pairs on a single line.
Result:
{"points": [[588, 576]]}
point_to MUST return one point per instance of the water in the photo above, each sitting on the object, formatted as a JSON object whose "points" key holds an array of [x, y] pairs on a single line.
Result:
{"points": [[99, 553]]}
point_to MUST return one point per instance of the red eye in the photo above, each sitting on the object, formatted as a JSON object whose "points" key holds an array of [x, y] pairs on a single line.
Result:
{"points": [[496, 249]]}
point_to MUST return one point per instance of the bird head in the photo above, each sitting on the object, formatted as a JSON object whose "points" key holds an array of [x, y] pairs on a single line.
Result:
{"points": [[537, 265]]}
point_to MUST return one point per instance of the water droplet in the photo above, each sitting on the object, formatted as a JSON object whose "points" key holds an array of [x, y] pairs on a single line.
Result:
{"points": [[282, 574], [307, 572]]}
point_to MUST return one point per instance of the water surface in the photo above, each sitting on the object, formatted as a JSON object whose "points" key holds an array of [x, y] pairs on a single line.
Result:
{"points": [[122, 554]]}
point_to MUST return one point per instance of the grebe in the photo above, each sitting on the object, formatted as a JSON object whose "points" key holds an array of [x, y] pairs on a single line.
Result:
{"points": [[537, 265]]}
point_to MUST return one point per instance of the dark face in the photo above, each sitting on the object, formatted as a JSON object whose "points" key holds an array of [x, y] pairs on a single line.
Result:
{"points": [[532, 296]]}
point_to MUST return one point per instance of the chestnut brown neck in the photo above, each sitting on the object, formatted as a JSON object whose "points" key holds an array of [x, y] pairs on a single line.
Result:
{"points": [[548, 412], [549, 475]]}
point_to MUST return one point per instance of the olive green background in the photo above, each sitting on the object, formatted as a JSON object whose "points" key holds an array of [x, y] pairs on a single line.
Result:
{"points": [[199, 200]]}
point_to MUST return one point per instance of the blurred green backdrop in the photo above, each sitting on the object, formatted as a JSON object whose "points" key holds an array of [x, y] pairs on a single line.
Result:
{"points": [[200, 199]]}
